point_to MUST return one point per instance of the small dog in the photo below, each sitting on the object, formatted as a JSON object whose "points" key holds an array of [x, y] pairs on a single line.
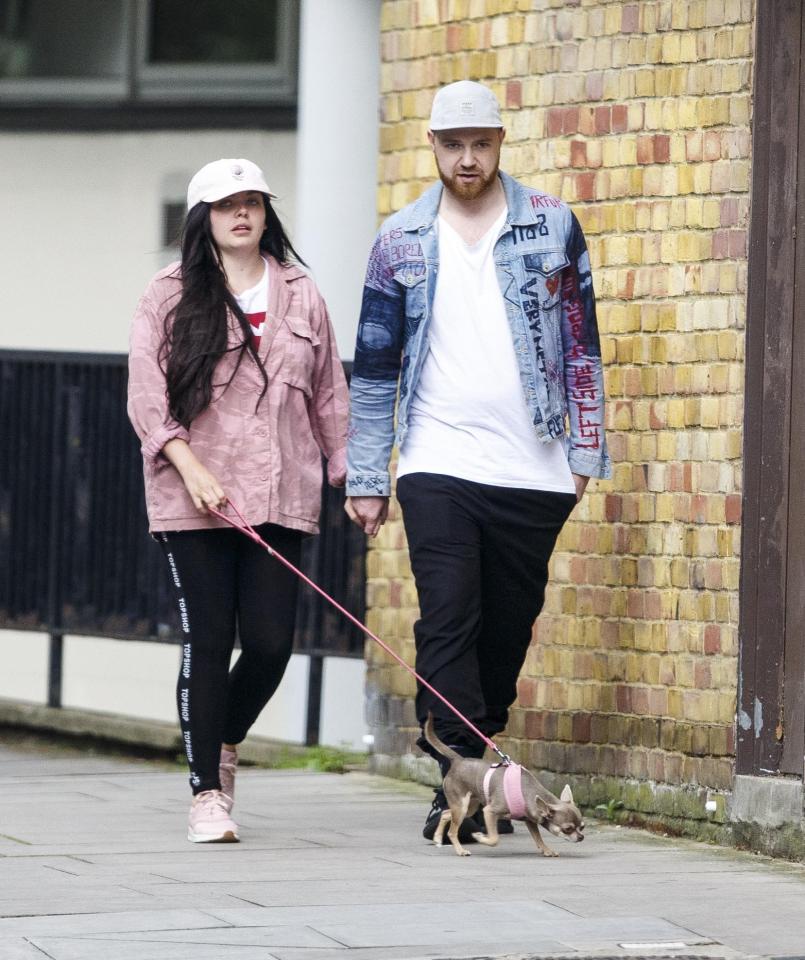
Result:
{"points": [[465, 787]]}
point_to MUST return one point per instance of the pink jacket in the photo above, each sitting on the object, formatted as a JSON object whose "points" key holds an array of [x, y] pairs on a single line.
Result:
{"points": [[267, 460]]}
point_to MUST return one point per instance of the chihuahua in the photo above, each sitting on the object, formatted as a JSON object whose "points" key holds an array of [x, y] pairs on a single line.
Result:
{"points": [[470, 784]]}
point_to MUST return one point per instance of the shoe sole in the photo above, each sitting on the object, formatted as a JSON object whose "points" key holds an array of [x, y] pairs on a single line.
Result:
{"points": [[227, 837]]}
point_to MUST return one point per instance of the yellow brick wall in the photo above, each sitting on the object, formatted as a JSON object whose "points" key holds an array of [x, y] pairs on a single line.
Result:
{"points": [[637, 114]]}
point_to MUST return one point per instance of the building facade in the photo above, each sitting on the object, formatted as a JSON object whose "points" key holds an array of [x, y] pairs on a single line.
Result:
{"points": [[666, 680], [107, 108], [640, 116]]}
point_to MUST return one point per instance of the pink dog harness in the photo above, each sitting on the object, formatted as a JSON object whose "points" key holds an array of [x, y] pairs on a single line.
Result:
{"points": [[512, 788]]}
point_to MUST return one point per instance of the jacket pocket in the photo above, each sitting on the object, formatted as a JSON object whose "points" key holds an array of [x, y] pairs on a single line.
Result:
{"points": [[543, 272], [294, 378], [299, 345], [300, 327], [412, 280]]}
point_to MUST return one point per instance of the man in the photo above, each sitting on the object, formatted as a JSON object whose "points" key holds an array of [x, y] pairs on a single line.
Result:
{"points": [[478, 325]]}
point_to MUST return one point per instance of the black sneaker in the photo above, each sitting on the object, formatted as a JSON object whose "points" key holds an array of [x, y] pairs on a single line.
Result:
{"points": [[504, 826], [468, 827]]}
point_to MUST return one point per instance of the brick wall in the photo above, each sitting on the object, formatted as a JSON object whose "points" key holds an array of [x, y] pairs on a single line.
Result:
{"points": [[637, 114]]}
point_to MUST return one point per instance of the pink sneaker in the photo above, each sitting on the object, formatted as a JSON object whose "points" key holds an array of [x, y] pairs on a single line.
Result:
{"points": [[227, 768], [209, 820]]}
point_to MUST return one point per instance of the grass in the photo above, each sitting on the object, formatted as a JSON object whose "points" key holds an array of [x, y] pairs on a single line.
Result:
{"points": [[606, 811], [320, 759]]}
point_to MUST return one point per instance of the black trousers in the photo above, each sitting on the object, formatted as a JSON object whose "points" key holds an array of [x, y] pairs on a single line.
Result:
{"points": [[226, 584], [480, 556]]}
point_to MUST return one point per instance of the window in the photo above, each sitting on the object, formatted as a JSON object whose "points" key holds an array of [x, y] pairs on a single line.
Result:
{"points": [[148, 55], [206, 31], [70, 43], [173, 212]]}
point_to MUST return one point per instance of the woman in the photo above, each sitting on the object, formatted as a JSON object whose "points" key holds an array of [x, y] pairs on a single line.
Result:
{"points": [[235, 390]]}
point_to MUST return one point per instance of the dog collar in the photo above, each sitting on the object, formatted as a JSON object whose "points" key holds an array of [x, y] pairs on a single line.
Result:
{"points": [[512, 788]]}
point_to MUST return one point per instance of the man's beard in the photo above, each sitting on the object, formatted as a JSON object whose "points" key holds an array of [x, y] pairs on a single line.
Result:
{"points": [[469, 191]]}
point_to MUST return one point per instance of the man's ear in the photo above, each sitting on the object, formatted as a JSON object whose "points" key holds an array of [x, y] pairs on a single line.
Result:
{"points": [[431, 138], [502, 134]]}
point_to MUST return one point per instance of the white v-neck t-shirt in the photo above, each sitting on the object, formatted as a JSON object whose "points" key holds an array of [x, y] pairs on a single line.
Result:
{"points": [[468, 417]]}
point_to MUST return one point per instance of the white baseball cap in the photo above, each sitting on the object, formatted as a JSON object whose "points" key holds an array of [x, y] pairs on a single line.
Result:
{"points": [[221, 178], [463, 104]]}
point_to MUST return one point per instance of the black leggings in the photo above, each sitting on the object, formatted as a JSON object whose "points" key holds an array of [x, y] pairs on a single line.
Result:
{"points": [[224, 582], [480, 556]]}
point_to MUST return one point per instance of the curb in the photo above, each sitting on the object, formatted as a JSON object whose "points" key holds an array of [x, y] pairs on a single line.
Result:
{"points": [[116, 729]]}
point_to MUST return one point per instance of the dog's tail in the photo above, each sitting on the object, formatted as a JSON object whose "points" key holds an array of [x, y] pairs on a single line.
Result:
{"points": [[435, 742]]}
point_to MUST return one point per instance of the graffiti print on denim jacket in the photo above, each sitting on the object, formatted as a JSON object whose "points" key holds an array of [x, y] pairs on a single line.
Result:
{"points": [[531, 310], [539, 228], [559, 360], [584, 350]]}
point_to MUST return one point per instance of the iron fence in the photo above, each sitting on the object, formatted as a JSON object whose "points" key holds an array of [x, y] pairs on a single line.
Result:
{"points": [[75, 556]]}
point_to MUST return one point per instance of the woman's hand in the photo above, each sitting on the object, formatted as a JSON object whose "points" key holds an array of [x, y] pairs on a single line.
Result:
{"points": [[203, 487]]}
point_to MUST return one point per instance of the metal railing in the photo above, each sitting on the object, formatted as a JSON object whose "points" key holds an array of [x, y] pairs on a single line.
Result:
{"points": [[75, 555]]}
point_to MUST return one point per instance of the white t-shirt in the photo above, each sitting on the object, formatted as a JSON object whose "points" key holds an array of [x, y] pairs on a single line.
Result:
{"points": [[468, 417], [253, 303]]}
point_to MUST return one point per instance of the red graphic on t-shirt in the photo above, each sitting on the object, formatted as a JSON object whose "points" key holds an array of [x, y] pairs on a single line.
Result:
{"points": [[256, 322]]}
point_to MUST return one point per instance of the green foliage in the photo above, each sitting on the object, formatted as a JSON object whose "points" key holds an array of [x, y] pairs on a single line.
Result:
{"points": [[321, 759], [606, 811]]}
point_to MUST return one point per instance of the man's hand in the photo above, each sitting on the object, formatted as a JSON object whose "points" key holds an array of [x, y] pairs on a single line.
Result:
{"points": [[581, 485], [369, 513]]}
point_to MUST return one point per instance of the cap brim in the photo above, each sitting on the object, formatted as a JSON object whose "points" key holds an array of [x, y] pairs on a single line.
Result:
{"points": [[212, 195]]}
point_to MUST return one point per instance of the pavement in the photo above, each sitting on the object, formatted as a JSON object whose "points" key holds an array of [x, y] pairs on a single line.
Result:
{"points": [[94, 864]]}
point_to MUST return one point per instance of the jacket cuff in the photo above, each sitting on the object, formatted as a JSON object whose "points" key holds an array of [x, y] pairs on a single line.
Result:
{"points": [[589, 465], [154, 442], [369, 485]]}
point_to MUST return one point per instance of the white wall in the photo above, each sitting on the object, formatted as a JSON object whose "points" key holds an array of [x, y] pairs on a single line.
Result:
{"points": [[342, 720], [138, 679], [339, 91], [135, 678], [83, 218], [24, 656], [83, 224]]}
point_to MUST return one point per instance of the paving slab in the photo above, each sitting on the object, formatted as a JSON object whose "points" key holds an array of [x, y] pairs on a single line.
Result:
{"points": [[94, 864]]}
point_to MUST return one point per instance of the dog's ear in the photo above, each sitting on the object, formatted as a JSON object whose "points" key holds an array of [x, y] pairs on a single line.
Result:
{"points": [[567, 794], [543, 809]]}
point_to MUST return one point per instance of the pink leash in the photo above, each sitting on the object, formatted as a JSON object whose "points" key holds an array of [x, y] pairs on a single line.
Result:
{"points": [[250, 532]]}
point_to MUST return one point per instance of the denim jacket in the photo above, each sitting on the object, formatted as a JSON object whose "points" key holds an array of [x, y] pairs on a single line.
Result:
{"points": [[543, 269]]}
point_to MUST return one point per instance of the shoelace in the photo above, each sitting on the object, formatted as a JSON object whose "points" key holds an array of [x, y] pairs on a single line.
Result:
{"points": [[212, 799]]}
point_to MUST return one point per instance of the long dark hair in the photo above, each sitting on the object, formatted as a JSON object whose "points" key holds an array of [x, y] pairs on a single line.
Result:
{"points": [[195, 330]]}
